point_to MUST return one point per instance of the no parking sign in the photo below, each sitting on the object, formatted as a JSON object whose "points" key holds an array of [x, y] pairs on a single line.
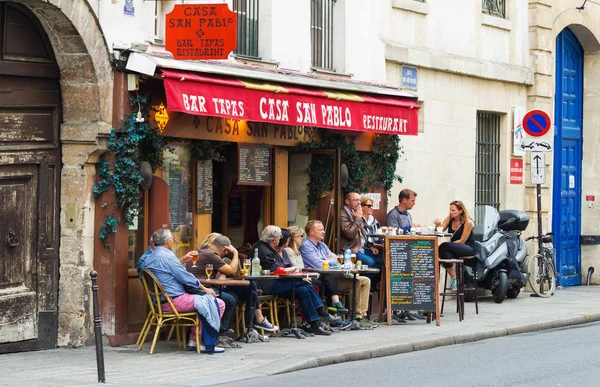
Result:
{"points": [[536, 123]]}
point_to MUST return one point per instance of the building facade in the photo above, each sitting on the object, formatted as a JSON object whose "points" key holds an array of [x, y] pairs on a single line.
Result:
{"points": [[477, 67]]}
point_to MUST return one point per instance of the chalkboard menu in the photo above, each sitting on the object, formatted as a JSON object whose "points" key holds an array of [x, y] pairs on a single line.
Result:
{"points": [[234, 211], [204, 187], [412, 273], [254, 164], [175, 203]]}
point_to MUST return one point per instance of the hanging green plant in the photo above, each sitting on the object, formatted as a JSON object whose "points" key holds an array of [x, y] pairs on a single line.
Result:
{"points": [[135, 141], [366, 169], [204, 150]]}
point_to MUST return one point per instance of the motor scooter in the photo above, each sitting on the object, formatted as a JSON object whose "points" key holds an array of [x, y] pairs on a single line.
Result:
{"points": [[492, 255], [513, 222]]}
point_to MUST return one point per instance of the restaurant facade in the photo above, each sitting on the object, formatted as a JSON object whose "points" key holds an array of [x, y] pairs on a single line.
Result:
{"points": [[254, 123]]}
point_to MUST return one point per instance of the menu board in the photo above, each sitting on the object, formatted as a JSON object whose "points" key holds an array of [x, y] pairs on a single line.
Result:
{"points": [[204, 187], [254, 164], [175, 201], [412, 272]]}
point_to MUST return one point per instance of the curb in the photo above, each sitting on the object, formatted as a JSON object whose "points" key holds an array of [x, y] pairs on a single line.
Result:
{"points": [[303, 362]]}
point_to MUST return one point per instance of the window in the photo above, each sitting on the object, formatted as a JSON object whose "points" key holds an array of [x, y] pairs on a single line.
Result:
{"points": [[247, 27], [487, 160], [494, 7], [321, 30]]}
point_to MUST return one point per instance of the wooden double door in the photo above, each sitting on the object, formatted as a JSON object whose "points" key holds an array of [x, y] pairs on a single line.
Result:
{"points": [[30, 157]]}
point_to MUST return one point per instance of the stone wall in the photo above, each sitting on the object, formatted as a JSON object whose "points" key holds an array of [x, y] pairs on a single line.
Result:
{"points": [[86, 88]]}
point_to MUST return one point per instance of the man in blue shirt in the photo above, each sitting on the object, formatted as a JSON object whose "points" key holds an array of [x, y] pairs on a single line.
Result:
{"points": [[314, 252], [399, 217], [167, 269]]}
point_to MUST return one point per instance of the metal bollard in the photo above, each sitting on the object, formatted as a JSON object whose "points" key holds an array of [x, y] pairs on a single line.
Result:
{"points": [[98, 329], [589, 276]]}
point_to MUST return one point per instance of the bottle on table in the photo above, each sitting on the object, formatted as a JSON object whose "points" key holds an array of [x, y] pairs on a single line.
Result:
{"points": [[347, 258], [256, 268]]}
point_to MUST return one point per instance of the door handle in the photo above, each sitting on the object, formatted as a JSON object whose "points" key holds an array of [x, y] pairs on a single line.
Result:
{"points": [[12, 240]]}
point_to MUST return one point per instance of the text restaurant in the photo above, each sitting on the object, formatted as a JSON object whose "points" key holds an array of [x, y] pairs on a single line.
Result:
{"points": [[253, 147]]}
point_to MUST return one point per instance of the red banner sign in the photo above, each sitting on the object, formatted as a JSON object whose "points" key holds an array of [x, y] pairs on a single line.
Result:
{"points": [[201, 31], [282, 104], [516, 171]]}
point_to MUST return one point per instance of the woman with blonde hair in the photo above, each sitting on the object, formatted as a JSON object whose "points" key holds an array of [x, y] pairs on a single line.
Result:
{"points": [[461, 243], [295, 242]]}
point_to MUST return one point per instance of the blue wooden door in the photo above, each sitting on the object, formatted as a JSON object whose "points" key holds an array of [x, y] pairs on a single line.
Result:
{"points": [[566, 195]]}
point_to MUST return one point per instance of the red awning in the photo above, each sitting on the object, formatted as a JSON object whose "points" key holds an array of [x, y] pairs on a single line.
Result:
{"points": [[208, 95]]}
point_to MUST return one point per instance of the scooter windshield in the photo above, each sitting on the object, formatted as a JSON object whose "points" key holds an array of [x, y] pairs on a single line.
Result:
{"points": [[486, 222]]}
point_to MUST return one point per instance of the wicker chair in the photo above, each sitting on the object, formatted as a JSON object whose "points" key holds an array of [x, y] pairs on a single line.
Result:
{"points": [[158, 318]]}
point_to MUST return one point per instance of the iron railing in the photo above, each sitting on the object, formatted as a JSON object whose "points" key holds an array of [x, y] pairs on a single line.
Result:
{"points": [[321, 30], [494, 7], [487, 160], [247, 27]]}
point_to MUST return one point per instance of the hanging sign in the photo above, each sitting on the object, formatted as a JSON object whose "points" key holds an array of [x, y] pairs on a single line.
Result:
{"points": [[201, 31]]}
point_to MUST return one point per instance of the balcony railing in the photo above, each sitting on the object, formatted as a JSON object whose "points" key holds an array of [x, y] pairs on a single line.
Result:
{"points": [[247, 27], [494, 7], [321, 30]]}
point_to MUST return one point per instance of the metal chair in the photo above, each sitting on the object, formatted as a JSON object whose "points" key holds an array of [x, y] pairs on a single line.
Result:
{"points": [[158, 318]]}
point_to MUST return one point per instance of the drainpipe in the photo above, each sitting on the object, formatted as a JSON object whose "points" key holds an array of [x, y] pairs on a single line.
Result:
{"points": [[589, 276]]}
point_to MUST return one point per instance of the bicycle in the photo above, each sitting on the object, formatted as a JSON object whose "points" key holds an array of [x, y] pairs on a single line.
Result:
{"points": [[540, 267]]}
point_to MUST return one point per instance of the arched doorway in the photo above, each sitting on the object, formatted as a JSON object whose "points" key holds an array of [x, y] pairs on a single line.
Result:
{"points": [[30, 163], [568, 115]]}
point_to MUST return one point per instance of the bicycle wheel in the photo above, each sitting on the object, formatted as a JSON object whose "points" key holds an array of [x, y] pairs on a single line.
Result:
{"points": [[541, 275]]}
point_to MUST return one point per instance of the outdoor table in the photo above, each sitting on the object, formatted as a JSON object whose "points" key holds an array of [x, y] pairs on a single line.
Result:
{"points": [[293, 329], [342, 272], [251, 335]]}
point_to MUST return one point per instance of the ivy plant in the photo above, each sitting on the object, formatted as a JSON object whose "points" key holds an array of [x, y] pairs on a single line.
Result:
{"points": [[366, 169], [135, 141]]}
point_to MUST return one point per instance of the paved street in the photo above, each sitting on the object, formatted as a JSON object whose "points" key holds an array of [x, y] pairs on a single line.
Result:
{"points": [[126, 366], [559, 357]]}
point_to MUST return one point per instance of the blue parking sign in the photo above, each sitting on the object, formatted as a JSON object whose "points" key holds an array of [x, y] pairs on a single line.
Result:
{"points": [[129, 8], [409, 77]]}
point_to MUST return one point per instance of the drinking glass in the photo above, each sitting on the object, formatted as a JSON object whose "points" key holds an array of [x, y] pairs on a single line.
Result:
{"points": [[194, 260], [353, 258], [340, 259], [247, 264], [208, 269]]}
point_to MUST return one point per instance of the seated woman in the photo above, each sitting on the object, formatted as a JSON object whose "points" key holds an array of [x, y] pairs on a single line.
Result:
{"points": [[461, 243], [272, 240]]}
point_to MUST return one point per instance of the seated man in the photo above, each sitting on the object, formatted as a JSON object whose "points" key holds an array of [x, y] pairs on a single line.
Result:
{"points": [[314, 251], [167, 269], [212, 250], [310, 302]]}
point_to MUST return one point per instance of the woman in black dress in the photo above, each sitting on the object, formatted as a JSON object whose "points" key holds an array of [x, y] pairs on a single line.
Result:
{"points": [[461, 243]]}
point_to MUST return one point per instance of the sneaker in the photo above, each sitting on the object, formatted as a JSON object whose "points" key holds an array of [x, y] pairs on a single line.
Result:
{"points": [[266, 325], [216, 350], [327, 318], [453, 284], [339, 307], [191, 345], [365, 322], [332, 310], [340, 324]]}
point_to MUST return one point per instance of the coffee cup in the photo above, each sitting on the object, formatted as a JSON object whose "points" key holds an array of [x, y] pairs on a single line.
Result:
{"points": [[384, 230], [439, 229]]}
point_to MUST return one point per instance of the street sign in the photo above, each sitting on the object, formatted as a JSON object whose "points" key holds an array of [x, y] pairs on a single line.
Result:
{"points": [[535, 145], [536, 123], [538, 168]]}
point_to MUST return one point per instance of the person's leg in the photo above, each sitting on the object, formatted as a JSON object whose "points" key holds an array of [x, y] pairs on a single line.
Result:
{"points": [[363, 287], [229, 299], [365, 258], [306, 304], [445, 252], [377, 259]]}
